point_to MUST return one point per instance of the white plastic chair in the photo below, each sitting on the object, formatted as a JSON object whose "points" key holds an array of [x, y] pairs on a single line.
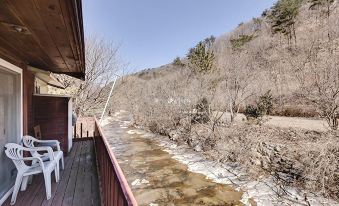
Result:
{"points": [[15, 153], [30, 141]]}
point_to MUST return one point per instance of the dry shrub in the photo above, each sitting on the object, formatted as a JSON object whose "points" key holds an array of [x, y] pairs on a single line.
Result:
{"points": [[158, 104], [295, 111], [321, 159], [153, 127], [302, 158]]}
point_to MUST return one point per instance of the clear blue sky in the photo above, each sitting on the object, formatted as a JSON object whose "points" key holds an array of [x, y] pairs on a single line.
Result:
{"points": [[153, 32]]}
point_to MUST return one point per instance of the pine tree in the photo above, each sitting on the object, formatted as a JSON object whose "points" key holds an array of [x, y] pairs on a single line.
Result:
{"points": [[201, 59], [283, 16], [208, 42], [177, 62]]}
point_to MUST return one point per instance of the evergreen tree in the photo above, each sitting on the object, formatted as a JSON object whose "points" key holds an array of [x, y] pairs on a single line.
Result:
{"points": [[201, 59], [177, 61], [239, 42], [208, 42], [265, 104], [283, 16]]}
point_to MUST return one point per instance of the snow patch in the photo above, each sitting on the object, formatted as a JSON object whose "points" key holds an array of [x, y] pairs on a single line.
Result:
{"points": [[138, 182]]}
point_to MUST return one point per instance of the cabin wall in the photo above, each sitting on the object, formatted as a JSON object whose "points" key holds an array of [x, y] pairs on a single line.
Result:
{"points": [[51, 113]]}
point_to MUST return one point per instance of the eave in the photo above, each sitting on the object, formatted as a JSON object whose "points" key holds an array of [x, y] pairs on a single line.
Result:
{"points": [[44, 34]]}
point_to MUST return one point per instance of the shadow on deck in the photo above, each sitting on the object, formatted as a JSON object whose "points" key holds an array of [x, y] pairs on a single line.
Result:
{"points": [[78, 185]]}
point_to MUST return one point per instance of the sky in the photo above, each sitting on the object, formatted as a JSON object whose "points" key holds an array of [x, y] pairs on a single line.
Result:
{"points": [[151, 33]]}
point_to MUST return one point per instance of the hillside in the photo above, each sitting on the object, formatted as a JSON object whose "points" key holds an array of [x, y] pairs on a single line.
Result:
{"points": [[260, 59]]}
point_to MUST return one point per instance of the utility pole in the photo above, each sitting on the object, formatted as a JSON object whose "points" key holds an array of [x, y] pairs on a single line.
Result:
{"points": [[109, 97]]}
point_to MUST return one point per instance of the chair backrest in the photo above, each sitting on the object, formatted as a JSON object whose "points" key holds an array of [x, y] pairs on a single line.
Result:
{"points": [[15, 153], [29, 142], [37, 132]]}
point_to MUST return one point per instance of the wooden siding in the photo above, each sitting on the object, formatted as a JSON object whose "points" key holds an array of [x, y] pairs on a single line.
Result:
{"points": [[78, 184], [51, 113]]}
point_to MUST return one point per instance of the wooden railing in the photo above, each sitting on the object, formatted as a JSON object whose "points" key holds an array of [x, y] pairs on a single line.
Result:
{"points": [[83, 128], [115, 190]]}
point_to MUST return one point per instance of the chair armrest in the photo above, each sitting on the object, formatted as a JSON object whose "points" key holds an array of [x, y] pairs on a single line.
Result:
{"points": [[56, 142], [49, 150], [41, 163]]}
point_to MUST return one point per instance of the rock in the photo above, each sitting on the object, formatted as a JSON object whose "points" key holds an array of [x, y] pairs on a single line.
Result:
{"points": [[265, 162], [257, 155], [174, 135], [193, 141], [277, 148], [198, 148], [185, 123], [256, 162]]}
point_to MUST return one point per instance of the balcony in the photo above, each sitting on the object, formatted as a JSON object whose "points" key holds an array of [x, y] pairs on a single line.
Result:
{"points": [[92, 176]]}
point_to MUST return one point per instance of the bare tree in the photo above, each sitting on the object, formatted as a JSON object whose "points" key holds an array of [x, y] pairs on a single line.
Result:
{"points": [[324, 87], [318, 76], [238, 79], [101, 63]]}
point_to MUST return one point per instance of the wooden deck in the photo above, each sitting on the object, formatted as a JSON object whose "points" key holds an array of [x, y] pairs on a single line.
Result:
{"points": [[78, 185]]}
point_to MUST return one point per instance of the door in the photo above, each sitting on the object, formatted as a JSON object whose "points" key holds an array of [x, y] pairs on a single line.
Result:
{"points": [[10, 124]]}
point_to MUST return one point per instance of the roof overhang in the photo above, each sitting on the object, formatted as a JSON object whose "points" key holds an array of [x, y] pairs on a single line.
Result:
{"points": [[44, 34]]}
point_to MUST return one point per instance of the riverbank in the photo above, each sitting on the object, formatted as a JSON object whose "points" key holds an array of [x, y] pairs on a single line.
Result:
{"points": [[291, 158], [155, 177], [264, 190]]}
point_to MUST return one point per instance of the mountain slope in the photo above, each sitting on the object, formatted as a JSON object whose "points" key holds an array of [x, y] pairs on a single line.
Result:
{"points": [[259, 59]]}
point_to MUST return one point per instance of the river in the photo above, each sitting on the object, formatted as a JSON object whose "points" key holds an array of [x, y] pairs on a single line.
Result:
{"points": [[156, 178], [160, 172]]}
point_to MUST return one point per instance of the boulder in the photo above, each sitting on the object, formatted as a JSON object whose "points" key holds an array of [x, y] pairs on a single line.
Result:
{"points": [[198, 148], [174, 135], [193, 140]]}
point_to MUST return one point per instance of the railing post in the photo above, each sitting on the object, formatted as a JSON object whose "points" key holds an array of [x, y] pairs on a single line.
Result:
{"points": [[81, 130], [75, 130]]}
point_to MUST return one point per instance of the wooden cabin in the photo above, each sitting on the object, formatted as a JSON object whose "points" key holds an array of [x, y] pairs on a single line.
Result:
{"points": [[39, 37]]}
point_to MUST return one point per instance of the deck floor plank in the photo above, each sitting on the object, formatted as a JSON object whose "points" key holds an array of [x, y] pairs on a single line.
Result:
{"points": [[80, 178], [94, 180], [76, 186], [69, 192], [87, 201], [57, 199]]}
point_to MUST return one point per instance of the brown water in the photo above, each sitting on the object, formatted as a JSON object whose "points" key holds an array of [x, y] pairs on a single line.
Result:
{"points": [[158, 179]]}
